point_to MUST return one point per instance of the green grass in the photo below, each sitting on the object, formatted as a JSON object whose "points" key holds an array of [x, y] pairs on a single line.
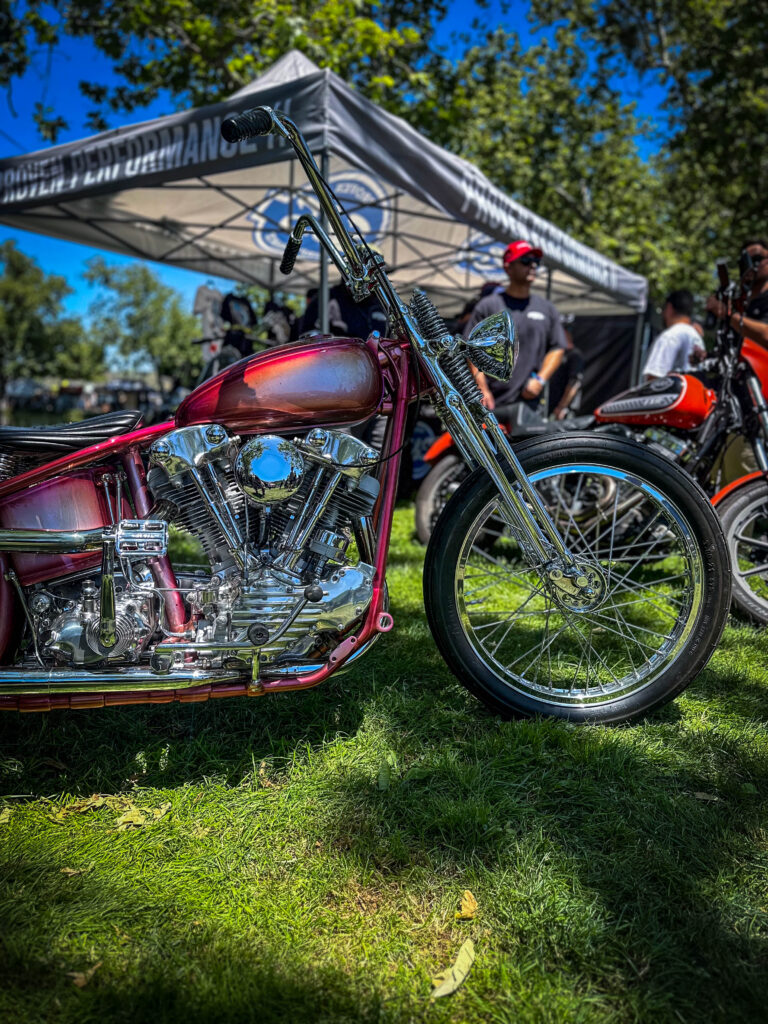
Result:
{"points": [[620, 872]]}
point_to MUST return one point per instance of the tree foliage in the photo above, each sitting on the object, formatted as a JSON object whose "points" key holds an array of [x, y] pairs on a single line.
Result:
{"points": [[202, 52], [36, 339], [556, 136], [145, 319], [709, 61], [547, 123]]}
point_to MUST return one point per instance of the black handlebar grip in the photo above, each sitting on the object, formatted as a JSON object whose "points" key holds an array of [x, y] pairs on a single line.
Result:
{"points": [[292, 247], [247, 125], [722, 273]]}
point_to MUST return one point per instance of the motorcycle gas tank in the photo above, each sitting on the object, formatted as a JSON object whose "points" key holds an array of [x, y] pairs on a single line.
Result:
{"points": [[757, 357], [324, 381], [678, 400]]}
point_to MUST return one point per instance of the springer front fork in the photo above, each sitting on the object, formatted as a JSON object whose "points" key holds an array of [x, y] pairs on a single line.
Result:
{"points": [[578, 583]]}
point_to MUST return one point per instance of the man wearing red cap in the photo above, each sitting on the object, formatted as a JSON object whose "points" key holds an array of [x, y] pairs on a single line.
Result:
{"points": [[541, 339]]}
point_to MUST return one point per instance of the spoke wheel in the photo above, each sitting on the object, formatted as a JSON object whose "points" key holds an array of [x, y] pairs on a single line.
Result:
{"points": [[744, 515], [508, 635], [435, 491]]}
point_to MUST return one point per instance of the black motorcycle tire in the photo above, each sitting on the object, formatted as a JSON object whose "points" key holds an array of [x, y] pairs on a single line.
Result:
{"points": [[699, 637], [738, 513], [430, 497]]}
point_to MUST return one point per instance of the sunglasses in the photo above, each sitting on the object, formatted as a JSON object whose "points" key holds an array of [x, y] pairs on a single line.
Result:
{"points": [[530, 261]]}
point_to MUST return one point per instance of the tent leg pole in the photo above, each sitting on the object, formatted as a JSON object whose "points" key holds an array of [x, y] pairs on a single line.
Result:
{"points": [[322, 296], [637, 349]]}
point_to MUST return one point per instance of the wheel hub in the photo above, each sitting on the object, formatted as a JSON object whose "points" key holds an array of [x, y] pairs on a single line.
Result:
{"points": [[580, 587]]}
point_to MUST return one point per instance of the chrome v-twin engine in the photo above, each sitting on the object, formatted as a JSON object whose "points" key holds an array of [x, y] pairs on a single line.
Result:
{"points": [[275, 518]]}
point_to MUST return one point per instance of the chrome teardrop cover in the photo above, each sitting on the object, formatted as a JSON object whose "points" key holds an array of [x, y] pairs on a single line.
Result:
{"points": [[269, 469]]}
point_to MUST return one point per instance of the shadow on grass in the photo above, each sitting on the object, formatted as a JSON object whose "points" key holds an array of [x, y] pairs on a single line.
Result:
{"points": [[252, 983], [658, 824]]}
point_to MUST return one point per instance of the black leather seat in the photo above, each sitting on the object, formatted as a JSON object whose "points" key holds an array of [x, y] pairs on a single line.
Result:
{"points": [[63, 438], [534, 429]]}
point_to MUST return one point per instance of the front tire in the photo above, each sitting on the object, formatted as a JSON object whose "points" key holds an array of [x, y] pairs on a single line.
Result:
{"points": [[744, 515], [503, 633]]}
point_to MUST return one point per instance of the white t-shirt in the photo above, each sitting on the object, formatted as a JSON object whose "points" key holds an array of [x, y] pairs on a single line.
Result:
{"points": [[671, 351]]}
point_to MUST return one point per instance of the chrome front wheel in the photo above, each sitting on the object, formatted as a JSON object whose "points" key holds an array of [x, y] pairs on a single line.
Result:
{"points": [[504, 626]]}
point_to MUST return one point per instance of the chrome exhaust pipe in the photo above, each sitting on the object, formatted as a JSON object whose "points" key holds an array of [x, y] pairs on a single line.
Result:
{"points": [[56, 541], [37, 682]]}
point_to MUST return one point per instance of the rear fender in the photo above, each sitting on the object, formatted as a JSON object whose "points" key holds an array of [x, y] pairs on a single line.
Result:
{"points": [[438, 448], [736, 485]]}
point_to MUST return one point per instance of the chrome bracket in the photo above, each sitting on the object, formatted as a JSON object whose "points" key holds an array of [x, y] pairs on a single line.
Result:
{"points": [[141, 538]]}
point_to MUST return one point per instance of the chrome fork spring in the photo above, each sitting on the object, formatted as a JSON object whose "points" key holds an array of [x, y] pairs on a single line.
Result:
{"points": [[456, 366]]}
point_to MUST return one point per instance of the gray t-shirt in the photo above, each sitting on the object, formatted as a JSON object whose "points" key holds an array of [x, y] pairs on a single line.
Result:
{"points": [[538, 328]]}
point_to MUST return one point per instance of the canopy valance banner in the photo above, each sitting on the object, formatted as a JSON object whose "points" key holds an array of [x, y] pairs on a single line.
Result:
{"points": [[174, 191]]}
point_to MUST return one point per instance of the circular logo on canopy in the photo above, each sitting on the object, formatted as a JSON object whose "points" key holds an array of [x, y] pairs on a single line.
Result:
{"points": [[481, 255], [276, 214]]}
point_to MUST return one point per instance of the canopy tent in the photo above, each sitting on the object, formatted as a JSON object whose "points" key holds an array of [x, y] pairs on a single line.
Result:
{"points": [[172, 190]]}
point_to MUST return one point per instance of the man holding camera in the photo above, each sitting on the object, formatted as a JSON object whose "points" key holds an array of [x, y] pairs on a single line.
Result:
{"points": [[540, 335], [752, 321]]}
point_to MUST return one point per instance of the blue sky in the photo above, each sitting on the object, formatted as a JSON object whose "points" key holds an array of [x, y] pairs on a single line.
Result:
{"points": [[56, 86], [53, 82]]}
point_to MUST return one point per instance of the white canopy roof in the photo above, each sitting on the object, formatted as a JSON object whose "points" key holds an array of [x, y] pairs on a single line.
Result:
{"points": [[174, 191]]}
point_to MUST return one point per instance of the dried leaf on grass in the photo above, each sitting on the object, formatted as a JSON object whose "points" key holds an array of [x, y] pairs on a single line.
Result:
{"points": [[131, 816], [90, 803], [5, 815], [385, 775], [81, 978], [467, 908], [710, 798], [73, 872], [264, 779], [445, 983], [137, 817]]}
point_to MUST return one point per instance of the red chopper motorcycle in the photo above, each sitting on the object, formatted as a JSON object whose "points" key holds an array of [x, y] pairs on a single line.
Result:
{"points": [[532, 609]]}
